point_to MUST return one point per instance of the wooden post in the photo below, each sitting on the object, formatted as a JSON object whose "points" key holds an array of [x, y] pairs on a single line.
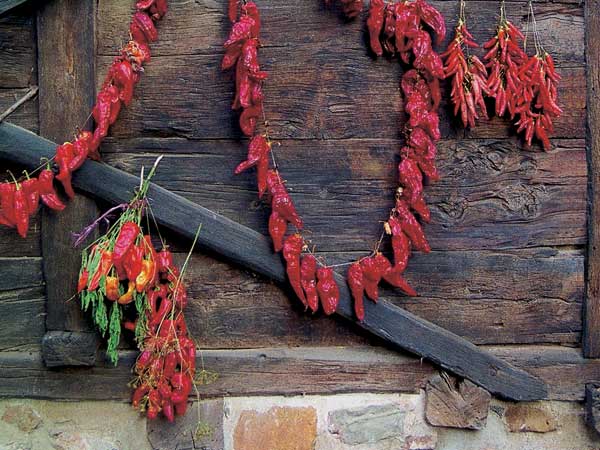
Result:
{"points": [[66, 62], [591, 331]]}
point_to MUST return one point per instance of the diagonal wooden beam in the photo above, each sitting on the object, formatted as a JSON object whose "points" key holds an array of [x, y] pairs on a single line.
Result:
{"points": [[7, 5], [247, 248]]}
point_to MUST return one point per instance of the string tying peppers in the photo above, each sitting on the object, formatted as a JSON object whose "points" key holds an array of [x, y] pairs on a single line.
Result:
{"points": [[117, 89]]}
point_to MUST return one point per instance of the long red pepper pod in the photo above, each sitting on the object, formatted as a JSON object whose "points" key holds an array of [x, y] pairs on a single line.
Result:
{"points": [[232, 10], [328, 290], [371, 277], [32, 193], [7, 212], [411, 226], [258, 155], [375, 25], [433, 18], [21, 211], [142, 28], [308, 279], [292, 249], [126, 238], [392, 277], [355, 282], [277, 229], [400, 245], [48, 194], [411, 179], [281, 201], [64, 155]]}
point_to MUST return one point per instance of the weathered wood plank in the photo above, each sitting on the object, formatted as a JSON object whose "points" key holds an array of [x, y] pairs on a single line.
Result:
{"points": [[306, 370], [592, 405], [591, 338], [491, 196], [69, 348], [11, 244], [22, 312], [26, 115], [18, 50], [20, 273], [538, 302], [338, 99], [67, 77], [308, 25], [7, 5], [247, 248]]}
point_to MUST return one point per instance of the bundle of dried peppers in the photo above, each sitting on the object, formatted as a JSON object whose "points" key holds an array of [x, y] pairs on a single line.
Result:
{"points": [[20, 200], [127, 283], [521, 85]]}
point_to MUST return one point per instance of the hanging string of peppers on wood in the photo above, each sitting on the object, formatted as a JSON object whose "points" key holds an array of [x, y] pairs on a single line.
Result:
{"points": [[396, 28], [521, 85], [20, 199], [128, 284]]}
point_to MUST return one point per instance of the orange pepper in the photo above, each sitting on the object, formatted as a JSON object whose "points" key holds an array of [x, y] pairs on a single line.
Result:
{"points": [[127, 297], [145, 276], [112, 288]]}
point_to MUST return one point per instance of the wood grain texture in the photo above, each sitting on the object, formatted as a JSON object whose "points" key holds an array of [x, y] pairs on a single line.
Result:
{"points": [[236, 309], [492, 196], [322, 83], [67, 77], [306, 370], [456, 403], [243, 246], [22, 311], [18, 65], [69, 348], [591, 339]]}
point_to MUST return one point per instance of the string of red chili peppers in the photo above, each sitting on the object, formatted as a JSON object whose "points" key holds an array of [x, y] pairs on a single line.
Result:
{"points": [[520, 85], [394, 28], [20, 200]]}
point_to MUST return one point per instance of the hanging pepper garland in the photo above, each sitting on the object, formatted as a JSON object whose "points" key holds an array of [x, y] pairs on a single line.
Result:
{"points": [[394, 28], [20, 200]]}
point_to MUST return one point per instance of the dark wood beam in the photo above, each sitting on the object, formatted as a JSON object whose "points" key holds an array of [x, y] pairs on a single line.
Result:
{"points": [[249, 249], [7, 5], [591, 332]]}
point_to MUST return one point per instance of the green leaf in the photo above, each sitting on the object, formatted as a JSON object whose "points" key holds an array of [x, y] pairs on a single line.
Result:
{"points": [[114, 333]]}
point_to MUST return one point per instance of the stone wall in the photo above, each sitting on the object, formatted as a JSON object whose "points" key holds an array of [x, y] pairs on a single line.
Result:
{"points": [[337, 422]]}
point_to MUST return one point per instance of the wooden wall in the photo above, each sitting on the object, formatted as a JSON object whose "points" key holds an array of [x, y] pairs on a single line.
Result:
{"points": [[509, 225], [21, 280]]}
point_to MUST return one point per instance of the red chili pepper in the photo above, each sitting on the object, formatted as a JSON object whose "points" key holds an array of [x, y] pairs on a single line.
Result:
{"points": [[123, 77], [180, 295], [292, 248], [258, 155], [143, 360], [393, 278], [154, 402], [83, 280], [164, 260], [182, 385], [103, 268], [277, 229], [142, 28], [21, 211], [7, 211], [308, 280], [139, 394], [64, 155], [125, 240], [371, 277], [411, 227], [328, 290], [375, 25], [232, 10], [81, 150], [400, 245], [355, 282], [165, 308], [132, 262], [32, 193], [281, 201]]}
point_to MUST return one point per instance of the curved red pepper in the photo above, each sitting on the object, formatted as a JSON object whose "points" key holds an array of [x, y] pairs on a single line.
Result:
{"points": [[355, 282], [308, 279], [328, 290], [292, 248]]}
